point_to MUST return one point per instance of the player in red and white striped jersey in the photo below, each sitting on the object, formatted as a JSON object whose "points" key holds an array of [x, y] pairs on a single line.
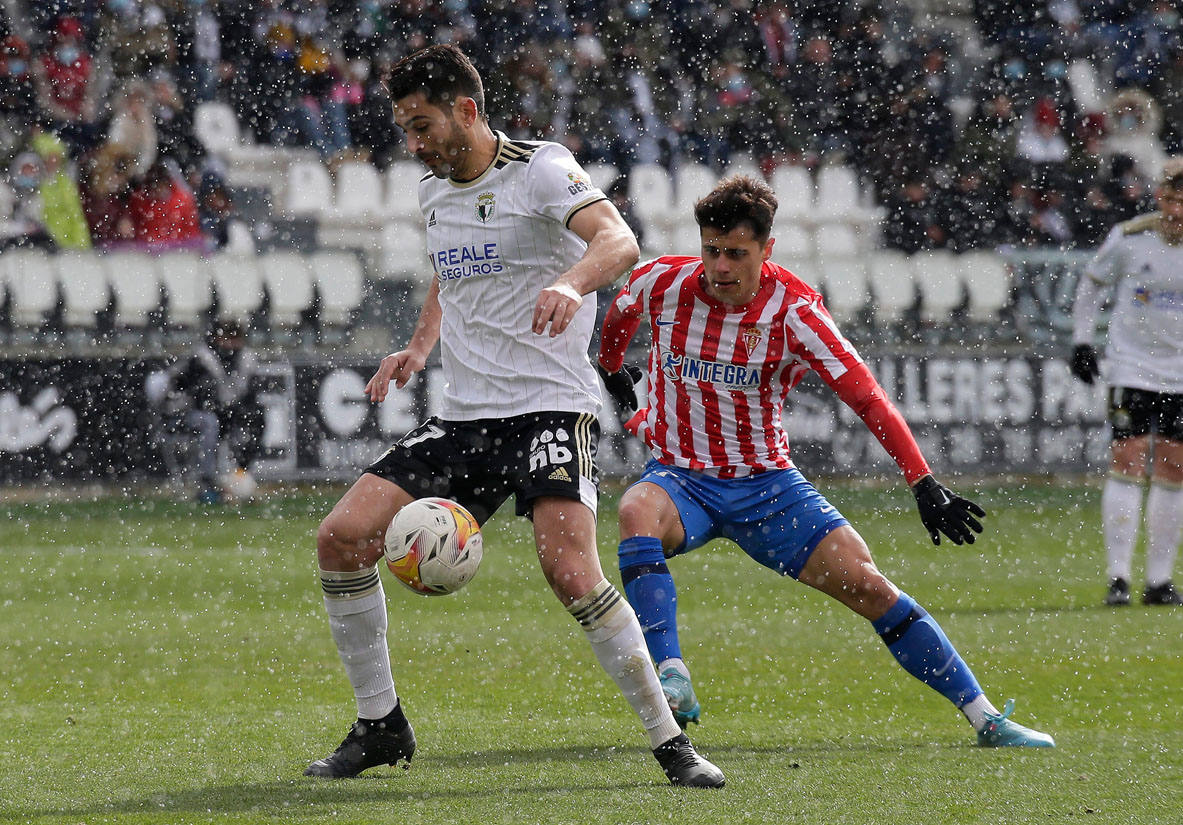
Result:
{"points": [[732, 334]]}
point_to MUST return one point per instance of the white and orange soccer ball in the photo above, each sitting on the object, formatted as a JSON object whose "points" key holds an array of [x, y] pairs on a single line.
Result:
{"points": [[434, 546]]}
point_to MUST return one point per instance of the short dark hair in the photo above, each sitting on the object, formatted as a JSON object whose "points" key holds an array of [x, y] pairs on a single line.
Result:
{"points": [[735, 200], [442, 72]]}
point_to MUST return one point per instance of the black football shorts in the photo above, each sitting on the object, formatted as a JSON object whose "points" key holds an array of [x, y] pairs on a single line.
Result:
{"points": [[1140, 412], [480, 463]]}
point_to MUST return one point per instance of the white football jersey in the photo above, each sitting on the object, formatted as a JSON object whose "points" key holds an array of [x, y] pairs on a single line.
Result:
{"points": [[1145, 349], [495, 243]]}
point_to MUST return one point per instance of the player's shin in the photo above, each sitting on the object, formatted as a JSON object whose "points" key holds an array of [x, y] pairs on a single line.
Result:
{"points": [[615, 636], [1164, 526], [356, 605], [922, 648], [650, 590], [1121, 516]]}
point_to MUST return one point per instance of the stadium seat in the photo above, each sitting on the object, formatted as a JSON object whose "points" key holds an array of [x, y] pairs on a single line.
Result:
{"points": [[404, 251], [684, 239], [652, 193], [187, 280], [692, 181], [238, 283], [836, 240], [34, 285], [339, 276], [288, 279], [402, 189], [988, 278], [602, 174], [134, 277], [892, 284], [793, 243], [845, 286], [743, 163], [217, 128], [938, 276], [309, 189], [838, 193], [359, 191], [85, 289], [794, 192]]}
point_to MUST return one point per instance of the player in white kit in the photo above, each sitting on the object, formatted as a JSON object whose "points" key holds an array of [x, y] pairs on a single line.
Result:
{"points": [[1141, 264], [517, 235]]}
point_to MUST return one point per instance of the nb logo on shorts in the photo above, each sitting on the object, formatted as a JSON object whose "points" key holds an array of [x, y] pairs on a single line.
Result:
{"points": [[548, 448]]}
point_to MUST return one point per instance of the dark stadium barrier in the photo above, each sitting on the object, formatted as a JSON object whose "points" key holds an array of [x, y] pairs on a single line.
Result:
{"points": [[80, 420]]}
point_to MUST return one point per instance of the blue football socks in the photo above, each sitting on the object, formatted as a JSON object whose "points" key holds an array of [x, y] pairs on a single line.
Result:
{"points": [[650, 590], [923, 649]]}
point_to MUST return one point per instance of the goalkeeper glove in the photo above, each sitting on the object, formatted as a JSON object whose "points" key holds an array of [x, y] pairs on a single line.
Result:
{"points": [[1084, 363], [943, 511], [620, 384]]}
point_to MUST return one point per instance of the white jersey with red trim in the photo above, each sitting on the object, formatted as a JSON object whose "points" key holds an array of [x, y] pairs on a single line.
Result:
{"points": [[719, 374]]}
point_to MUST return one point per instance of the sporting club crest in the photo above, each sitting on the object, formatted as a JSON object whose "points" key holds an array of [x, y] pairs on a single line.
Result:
{"points": [[751, 338], [486, 202]]}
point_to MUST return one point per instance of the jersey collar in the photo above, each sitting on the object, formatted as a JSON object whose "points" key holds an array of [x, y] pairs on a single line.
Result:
{"points": [[465, 184]]}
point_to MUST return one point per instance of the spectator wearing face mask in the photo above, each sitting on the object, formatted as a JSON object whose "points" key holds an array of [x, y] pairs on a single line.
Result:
{"points": [[61, 202], [64, 77], [1134, 121], [18, 98]]}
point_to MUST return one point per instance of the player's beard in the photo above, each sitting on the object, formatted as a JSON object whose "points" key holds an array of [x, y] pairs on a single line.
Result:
{"points": [[454, 151]]}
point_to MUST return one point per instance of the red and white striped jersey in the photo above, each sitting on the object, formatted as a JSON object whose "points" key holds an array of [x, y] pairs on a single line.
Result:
{"points": [[719, 374]]}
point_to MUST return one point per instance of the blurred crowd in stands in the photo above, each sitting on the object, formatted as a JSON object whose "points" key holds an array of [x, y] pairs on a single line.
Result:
{"points": [[1049, 129]]}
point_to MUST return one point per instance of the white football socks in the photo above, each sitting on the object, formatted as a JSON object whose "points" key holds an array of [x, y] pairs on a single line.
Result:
{"points": [[1164, 528], [975, 711], [1121, 515], [356, 605], [615, 636]]}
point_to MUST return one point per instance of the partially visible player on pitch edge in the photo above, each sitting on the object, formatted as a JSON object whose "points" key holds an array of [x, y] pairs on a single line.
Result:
{"points": [[517, 235], [1141, 264], [732, 334]]}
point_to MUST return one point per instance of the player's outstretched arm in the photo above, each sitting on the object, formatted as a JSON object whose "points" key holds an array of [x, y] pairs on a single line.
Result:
{"points": [[943, 511], [611, 251], [400, 366]]}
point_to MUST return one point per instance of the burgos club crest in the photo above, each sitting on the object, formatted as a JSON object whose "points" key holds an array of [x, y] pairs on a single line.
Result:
{"points": [[486, 202]]}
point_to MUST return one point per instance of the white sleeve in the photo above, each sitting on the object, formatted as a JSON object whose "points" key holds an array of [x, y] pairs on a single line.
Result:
{"points": [[558, 186], [1105, 267], [1089, 297]]}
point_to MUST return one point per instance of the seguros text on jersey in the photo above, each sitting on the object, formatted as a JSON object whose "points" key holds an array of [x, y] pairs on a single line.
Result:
{"points": [[467, 261]]}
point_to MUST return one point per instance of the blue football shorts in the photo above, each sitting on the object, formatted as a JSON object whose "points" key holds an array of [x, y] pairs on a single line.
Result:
{"points": [[776, 517]]}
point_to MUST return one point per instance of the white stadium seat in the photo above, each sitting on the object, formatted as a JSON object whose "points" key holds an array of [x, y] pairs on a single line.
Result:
{"points": [[794, 192], [793, 242], [838, 193], [309, 188], [836, 240], [402, 189], [239, 284], [987, 276], [692, 181], [652, 193], [404, 251], [217, 128], [134, 277], [34, 286], [341, 280], [938, 275], [288, 279], [845, 287], [359, 191], [187, 279], [602, 174], [892, 284], [85, 288]]}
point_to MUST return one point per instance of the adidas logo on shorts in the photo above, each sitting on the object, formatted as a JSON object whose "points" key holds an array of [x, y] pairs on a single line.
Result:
{"points": [[560, 474]]}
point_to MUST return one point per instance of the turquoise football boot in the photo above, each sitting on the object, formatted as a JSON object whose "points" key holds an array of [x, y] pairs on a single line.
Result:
{"points": [[680, 694], [1001, 732]]}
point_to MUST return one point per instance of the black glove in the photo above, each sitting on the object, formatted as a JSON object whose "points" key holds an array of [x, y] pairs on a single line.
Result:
{"points": [[1084, 363], [943, 511], [620, 384]]}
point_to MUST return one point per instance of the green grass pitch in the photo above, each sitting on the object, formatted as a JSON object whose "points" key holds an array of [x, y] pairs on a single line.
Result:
{"points": [[163, 663]]}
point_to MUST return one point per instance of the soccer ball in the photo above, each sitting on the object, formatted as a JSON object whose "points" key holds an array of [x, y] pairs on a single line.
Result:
{"points": [[238, 485], [433, 546]]}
